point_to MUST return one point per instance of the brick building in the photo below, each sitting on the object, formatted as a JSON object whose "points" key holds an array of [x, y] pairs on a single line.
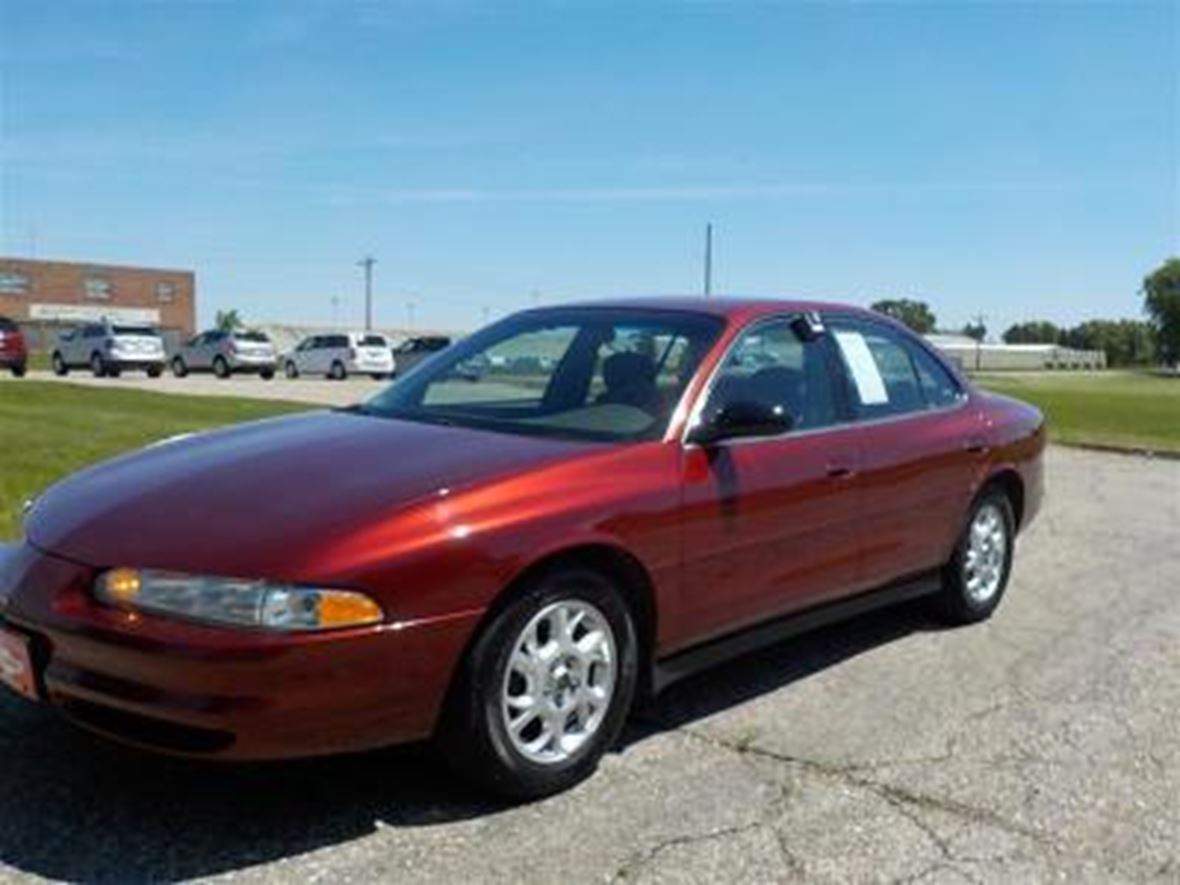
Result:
{"points": [[48, 296]]}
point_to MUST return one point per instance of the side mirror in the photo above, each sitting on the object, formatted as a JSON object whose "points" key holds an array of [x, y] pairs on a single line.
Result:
{"points": [[741, 418]]}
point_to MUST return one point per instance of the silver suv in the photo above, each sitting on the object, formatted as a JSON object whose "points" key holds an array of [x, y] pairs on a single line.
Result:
{"points": [[224, 353], [108, 348]]}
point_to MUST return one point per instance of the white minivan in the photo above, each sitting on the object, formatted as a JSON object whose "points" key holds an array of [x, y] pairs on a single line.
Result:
{"points": [[339, 355]]}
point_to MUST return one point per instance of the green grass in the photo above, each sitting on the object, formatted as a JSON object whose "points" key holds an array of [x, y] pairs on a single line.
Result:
{"points": [[1132, 410], [48, 430]]}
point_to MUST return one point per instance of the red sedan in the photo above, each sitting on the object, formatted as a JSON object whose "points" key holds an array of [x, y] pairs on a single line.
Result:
{"points": [[14, 356], [502, 549]]}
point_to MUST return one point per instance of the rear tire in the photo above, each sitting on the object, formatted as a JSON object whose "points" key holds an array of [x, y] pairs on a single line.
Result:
{"points": [[338, 372], [290, 370], [974, 581], [221, 368], [155, 371], [19, 371], [179, 369], [97, 367], [59, 365], [377, 376], [533, 707], [266, 374]]}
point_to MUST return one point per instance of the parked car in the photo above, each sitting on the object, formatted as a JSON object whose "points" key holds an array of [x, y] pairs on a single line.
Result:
{"points": [[224, 353], [340, 355], [414, 350], [108, 348], [14, 356], [506, 566]]}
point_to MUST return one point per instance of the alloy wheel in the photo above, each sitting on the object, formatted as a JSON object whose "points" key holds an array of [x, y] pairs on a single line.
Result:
{"points": [[559, 682], [986, 556]]}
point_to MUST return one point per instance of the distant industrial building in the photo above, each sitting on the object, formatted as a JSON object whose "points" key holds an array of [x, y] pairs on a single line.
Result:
{"points": [[48, 296], [983, 357]]}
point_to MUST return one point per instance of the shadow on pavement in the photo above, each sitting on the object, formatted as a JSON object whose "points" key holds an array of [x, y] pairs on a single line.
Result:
{"points": [[75, 807]]}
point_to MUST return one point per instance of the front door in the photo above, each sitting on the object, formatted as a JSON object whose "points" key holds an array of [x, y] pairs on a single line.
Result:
{"points": [[770, 524]]}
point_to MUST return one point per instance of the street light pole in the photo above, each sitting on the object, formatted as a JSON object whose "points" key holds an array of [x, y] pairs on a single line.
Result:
{"points": [[367, 263], [708, 259]]}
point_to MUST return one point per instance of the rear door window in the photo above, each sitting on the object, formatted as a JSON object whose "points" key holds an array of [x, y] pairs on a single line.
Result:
{"points": [[939, 387], [883, 380]]}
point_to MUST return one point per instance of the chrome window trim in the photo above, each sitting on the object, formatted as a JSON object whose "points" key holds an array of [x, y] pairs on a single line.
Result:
{"points": [[698, 406]]}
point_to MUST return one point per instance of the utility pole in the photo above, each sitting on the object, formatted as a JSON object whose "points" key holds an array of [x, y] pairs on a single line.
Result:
{"points": [[708, 259], [978, 341], [367, 263]]}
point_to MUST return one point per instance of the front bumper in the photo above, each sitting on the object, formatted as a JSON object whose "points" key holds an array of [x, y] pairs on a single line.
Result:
{"points": [[193, 690]]}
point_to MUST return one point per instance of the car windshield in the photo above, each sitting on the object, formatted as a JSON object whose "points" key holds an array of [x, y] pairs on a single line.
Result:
{"points": [[133, 330], [592, 374]]}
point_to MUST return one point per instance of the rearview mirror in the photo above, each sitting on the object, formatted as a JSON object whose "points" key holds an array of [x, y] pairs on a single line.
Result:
{"points": [[741, 418]]}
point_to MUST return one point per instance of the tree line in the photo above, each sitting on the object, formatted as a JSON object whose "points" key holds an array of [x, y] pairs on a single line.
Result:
{"points": [[1126, 342]]}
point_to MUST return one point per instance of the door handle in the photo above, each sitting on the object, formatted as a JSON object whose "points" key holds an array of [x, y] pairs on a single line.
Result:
{"points": [[975, 445], [840, 471]]}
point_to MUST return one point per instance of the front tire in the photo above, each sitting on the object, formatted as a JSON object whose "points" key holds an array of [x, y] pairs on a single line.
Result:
{"points": [[97, 367], [976, 577], [221, 368], [290, 370], [179, 369], [545, 690], [338, 372]]}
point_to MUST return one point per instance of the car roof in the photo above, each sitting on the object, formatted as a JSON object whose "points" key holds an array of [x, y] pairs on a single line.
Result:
{"points": [[727, 306]]}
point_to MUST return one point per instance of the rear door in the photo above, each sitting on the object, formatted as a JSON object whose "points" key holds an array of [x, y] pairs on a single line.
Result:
{"points": [[921, 448], [771, 524]]}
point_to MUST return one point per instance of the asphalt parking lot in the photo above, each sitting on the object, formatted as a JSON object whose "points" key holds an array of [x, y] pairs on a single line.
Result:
{"points": [[1039, 746]]}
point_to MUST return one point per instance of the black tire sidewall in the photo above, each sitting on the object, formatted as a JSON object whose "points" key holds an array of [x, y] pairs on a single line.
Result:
{"points": [[221, 368], [479, 746]]}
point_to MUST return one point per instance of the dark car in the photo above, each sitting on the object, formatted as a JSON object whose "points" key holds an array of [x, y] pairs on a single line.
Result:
{"points": [[412, 351], [506, 566], [14, 355]]}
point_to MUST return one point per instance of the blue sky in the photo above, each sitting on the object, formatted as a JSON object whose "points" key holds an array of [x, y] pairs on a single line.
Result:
{"points": [[1019, 159]]}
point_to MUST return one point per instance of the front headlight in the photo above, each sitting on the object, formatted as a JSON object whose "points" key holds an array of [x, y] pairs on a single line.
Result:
{"points": [[236, 602]]}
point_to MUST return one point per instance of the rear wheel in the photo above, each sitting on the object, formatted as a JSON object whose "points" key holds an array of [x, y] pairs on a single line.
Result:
{"points": [[221, 368], [377, 376], [155, 371], [977, 575], [266, 374], [338, 372], [97, 366], [179, 369], [59, 365], [290, 370], [18, 371], [545, 689]]}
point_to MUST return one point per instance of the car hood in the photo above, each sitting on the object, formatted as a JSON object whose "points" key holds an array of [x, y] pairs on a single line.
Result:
{"points": [[260, 499]]}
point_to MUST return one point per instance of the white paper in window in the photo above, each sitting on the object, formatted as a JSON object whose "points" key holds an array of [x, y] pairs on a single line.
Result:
{"points": [[869, 385]]}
